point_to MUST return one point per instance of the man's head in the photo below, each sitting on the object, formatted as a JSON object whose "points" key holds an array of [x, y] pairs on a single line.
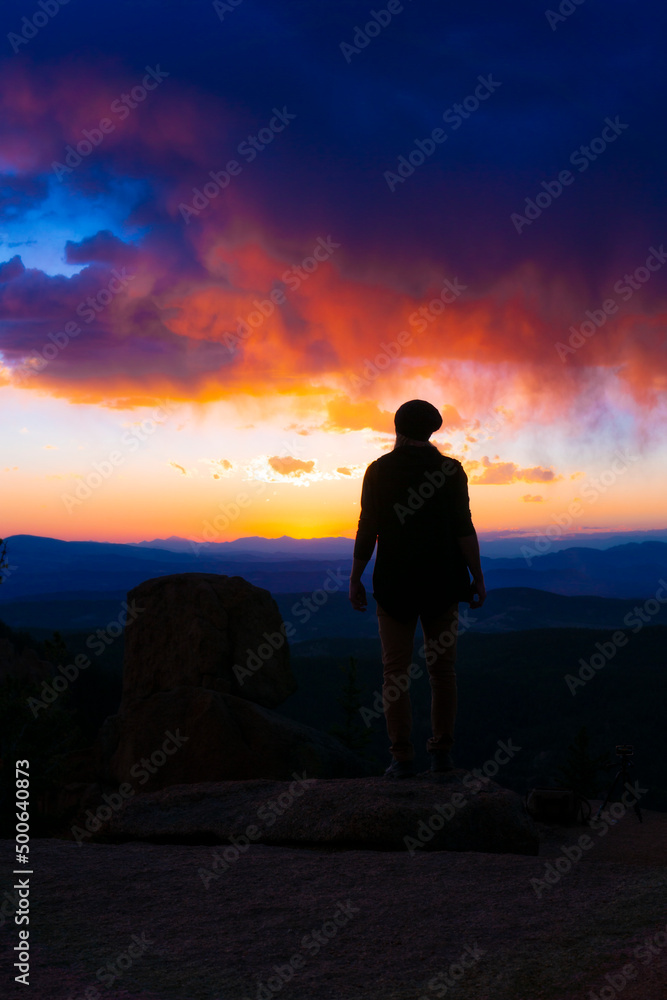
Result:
{"points": [[417, 420]]}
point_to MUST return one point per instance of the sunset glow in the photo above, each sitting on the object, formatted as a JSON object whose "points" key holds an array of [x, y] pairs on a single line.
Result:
{"points": [[184, 340]]}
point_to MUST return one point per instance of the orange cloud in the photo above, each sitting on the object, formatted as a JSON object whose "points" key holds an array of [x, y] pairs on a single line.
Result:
{"points": [[344, 415], [451, 418], [529, 498], [290, 466], [193, 288], [218, 335], [220, 467], [503, 473]]}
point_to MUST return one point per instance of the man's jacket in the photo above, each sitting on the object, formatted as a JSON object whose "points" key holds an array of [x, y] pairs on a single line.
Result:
{"points": [[414, 502]]}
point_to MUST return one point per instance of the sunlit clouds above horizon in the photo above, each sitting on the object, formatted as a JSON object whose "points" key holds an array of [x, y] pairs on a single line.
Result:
{"points": [[205, 272]]}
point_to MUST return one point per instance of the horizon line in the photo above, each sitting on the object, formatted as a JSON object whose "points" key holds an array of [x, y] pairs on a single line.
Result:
{"points": [[491, 535]]}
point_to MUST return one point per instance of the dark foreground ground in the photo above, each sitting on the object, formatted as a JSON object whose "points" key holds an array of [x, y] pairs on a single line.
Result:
{"points": [[400, 922]]}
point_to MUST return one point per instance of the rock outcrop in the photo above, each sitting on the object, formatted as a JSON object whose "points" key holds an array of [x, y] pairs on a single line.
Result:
{"points": [[206, 660], [204, 630], [214, 737], [456, 813]]}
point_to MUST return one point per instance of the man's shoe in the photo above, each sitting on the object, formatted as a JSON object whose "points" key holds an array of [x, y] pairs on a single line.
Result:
{"points": [[441, 761], [401, 769]]}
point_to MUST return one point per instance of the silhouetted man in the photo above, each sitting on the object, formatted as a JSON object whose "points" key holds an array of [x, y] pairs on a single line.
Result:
{"points": [[414, 501]]}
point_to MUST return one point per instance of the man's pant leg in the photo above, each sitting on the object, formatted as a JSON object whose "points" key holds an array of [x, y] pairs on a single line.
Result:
{"points": [[440, 634], [397, 640]]}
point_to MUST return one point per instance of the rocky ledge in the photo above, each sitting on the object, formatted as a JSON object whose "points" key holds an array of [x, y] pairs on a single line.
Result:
{"points": [[453, 812]]}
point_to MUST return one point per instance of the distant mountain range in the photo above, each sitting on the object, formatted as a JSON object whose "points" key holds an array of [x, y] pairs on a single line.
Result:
{"points": [[494, 544], [634, 569], [51, 566], [256, 547]]}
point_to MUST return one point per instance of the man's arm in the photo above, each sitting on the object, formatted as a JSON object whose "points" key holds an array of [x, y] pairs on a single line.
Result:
{"points": [[470, 548], [357, 591], [364, 543], [466, 537], [469, 545], [358, 567]]}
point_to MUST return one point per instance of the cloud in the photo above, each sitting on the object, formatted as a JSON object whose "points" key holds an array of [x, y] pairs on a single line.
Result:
{"points": [[451, 419], [294, 471], [529, 498], [103, 247], [165, 334], [220, 467], [11, 269], [179, 468], [345, 415], [291, 466], [504, 473]]}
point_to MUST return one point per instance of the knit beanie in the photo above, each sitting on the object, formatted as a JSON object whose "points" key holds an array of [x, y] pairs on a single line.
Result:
{"points": [[417, 419]]}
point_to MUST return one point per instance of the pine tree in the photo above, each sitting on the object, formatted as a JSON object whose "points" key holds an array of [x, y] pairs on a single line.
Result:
{"points": [[56, 651], [580, 770], [4, 564], [352, 734]]}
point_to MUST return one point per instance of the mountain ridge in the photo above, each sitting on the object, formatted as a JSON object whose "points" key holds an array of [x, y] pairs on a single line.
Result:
{"points": [[48, 565]]}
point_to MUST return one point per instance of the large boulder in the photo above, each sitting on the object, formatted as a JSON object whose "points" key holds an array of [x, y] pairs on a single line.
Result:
{"points": [[209, 631], [426, 813], [206, 659], [195, 734]]}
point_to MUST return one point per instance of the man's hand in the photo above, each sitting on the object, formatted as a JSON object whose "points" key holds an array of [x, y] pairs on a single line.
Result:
{"points": [[477, 590], [358, 595]]}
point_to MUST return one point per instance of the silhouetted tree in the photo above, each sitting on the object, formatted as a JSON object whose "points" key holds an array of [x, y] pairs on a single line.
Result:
{"points": [[580, 769], [41, 735], [56, 650], [351, 733], [4, 564]]}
